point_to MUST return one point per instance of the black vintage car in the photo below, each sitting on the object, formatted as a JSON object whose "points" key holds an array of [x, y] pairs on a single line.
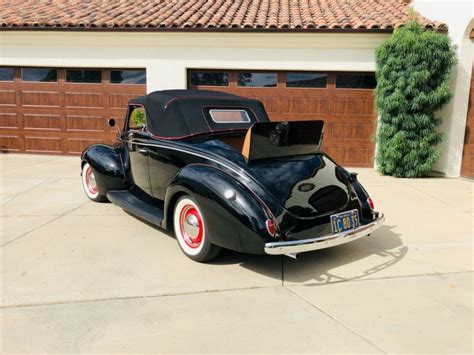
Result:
{"points": [[211, 167]]}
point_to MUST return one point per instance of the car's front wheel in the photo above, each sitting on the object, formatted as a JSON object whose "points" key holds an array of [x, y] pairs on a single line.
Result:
{"points": [[191, 231], [90, 184]]}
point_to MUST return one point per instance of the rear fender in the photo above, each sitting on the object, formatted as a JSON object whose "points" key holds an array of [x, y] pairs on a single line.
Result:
{"points": [[234, 217], [108, 167]]}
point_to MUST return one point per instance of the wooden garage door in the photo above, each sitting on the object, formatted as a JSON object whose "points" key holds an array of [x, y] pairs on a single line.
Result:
{"points": [[467, 167], [345, 101], [62, 111]]}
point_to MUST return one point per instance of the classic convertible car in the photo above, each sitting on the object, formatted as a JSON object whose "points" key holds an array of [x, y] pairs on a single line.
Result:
{"points": [[214, 169]]}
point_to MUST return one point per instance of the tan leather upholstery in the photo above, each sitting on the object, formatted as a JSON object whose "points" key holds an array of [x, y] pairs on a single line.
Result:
{"points": [[241, 144], [246, 145]]}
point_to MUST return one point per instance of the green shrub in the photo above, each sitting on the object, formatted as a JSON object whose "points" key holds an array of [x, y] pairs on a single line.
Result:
{"points": [[138, 117], [413, 69]]}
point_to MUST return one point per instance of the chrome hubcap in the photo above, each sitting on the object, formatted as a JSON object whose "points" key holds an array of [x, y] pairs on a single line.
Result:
{"points": [[191, 226]]}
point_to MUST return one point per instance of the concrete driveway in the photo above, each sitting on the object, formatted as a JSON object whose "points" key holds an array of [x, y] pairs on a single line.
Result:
{"points": [[79, 276]]}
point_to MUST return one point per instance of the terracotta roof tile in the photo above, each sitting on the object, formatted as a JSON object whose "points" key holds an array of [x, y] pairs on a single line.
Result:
{"points": [[208, 14]]}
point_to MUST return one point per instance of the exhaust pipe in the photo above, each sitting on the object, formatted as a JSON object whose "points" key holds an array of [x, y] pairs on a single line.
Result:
{"points": [[292, 255]]}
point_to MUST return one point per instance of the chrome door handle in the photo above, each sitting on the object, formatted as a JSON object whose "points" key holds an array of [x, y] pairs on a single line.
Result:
{"points": [[142, 150]]}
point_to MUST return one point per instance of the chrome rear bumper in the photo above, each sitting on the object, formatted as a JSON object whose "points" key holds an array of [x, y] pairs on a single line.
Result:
{"points": [[293, 247]]}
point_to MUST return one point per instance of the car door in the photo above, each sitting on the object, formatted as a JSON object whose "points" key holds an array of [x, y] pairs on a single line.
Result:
{"points": [[164, 164], [137, 141]]}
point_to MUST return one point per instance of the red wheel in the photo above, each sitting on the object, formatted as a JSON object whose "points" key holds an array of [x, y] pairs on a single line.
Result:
{"points": [[190, 230], [90, 185], [191, 226]]}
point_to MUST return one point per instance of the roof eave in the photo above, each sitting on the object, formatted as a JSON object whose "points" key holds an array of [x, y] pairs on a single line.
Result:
{"points": [[441, 29]]}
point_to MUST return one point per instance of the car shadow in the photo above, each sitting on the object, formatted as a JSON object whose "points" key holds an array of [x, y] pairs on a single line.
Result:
{"points": [[352, 261]]}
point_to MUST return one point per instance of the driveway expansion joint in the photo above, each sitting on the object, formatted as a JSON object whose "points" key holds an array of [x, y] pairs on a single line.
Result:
{"points": [[42, 225], [65, 302], [11, 198]]}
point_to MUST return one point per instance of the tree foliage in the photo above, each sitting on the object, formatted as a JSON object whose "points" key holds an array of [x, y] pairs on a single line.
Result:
{"points": [[413, 68]]}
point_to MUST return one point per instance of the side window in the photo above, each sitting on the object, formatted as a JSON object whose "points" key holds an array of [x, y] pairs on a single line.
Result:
{"points": [[137, 118]]}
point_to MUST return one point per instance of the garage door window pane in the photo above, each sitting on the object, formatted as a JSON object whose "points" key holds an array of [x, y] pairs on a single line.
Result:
{"points": [[39, 74], [83, 76], [6, 74], [306, 80], [128, 76], [267, 80], [209, 78], [355, 81]]}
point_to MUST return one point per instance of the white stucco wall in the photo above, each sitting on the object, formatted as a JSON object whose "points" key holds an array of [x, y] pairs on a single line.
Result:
{"points": [[458, 15], [167, 56]]}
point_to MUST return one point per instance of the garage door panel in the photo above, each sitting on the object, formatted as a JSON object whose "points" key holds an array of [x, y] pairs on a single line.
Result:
{"points": [[467, 166], [61, 117], [270, 103], [7, 98], [347, 156], [350, 131], [348, 112], [300, 117], [11, 143], [120, 100], [86, 100], [42, 121], [40, 98], [77, 145], [43, 144], [8, 120], [353, 144], [85, 123], [353, 107], [352, 119], [304, 105], [468, 149]]}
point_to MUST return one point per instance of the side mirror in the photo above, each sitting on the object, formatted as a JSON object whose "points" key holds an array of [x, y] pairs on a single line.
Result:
{"points": [[111, 122]]}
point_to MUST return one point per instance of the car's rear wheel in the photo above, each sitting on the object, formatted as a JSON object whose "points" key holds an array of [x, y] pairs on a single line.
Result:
{"points": [[90, 184], [191, 232]]}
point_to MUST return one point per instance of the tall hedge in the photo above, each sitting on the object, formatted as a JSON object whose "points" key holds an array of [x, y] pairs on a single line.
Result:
{"points": [[413, 69]]}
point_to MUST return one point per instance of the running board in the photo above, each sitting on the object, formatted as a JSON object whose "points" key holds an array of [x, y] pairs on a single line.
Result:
{"points": [[132, 204]]}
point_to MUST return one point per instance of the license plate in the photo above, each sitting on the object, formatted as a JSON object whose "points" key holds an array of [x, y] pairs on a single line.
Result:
{"points": [[344, 221]]}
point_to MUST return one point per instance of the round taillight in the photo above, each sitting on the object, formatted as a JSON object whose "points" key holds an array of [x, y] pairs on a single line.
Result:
{"points": [[371, 203], [270, 227]]}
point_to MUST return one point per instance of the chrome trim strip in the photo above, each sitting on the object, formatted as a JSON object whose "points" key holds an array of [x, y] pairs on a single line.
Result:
{"points": [[326, 241]]}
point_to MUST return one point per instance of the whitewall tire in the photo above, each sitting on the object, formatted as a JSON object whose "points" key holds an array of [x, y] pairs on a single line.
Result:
{"points": [[191, 232], [90, 184]]}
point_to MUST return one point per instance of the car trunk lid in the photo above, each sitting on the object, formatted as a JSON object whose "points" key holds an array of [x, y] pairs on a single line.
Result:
{"points": [[305, 186]]}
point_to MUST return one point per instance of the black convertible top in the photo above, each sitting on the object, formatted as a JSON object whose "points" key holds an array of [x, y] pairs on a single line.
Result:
{"points": [[176, 114]]}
